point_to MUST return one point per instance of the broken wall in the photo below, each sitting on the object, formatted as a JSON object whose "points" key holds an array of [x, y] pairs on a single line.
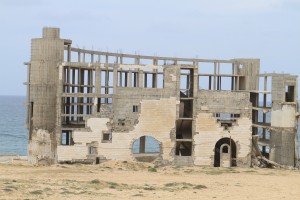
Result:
{"points": [[159, 127], [156, 116], [208, 131]]}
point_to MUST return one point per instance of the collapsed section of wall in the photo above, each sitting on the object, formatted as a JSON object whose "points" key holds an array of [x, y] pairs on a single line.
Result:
{"points": [[119, 147]]}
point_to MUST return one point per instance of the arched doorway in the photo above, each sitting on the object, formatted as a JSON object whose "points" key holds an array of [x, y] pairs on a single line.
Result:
{"points": [[225, 153]]}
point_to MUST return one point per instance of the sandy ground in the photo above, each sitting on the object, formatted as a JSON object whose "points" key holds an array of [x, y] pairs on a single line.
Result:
{"points": [[122, 180]]}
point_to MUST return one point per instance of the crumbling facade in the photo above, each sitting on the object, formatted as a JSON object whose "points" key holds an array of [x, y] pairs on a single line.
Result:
{"points": [[86, 106]]}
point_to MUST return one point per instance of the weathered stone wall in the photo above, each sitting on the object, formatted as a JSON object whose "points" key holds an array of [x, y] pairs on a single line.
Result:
{"points": [[209, 101], [158, 127], [41, 148], [283, 116], [209, 131]]}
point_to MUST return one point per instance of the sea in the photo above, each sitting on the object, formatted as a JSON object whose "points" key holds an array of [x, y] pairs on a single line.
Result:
{"points": [[13, 133]]}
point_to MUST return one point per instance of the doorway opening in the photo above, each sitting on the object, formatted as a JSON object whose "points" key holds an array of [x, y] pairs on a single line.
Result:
{"points": [[225, 153]]}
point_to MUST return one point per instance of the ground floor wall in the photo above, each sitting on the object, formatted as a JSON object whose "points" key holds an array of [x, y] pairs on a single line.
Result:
{"points": [[157, 119], [208, 132]]}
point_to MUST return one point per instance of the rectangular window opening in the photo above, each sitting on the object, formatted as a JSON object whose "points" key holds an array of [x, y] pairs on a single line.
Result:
{"points": [[106, 137], [92, 150], [183, 148], [66, 137], [289, 93], [184, 129], [135, 108], [160, 81], [186, 108]]}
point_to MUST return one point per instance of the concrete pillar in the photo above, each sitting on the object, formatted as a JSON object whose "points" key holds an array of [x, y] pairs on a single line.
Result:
{"points": [[129, 79], [46, 54], [115, 80], [140, 78], [215, 78], [142, 144]]}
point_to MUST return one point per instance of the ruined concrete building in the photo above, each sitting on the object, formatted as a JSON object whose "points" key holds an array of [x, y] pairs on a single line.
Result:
{"points": [[86, 105]]}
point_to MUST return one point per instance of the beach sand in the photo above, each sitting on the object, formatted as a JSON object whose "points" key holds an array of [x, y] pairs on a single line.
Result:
{"points": [[127, 180]]}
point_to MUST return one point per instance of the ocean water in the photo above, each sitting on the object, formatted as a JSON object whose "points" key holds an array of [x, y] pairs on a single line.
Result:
{"points": [[13, 133]]}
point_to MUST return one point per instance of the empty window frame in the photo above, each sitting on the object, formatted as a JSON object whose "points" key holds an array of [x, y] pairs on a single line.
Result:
{"points": [[226, 115], [66, 137], [226, 120], [183, 148], [184, 129], [135, 79], [289, 93], [92, 150], [160, 80], [106, 137], [135, 108], [105, 100], [186, 108], [205, 82]]}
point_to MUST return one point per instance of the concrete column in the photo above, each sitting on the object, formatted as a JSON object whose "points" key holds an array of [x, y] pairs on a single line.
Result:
{"points": [[146, 80], [140, 78], [59, 108], [97, 80], [120, 81], [142, 144], [195, 81], [115, 81], [46, 54], [129, 79], [69, 53], [215, 78]]}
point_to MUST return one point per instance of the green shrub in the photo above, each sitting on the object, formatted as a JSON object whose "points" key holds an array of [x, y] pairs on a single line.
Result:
{"points": [[152, 169]]}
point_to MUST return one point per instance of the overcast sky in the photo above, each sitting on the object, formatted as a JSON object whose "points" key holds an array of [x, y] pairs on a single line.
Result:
{"points": [[265, 29]]}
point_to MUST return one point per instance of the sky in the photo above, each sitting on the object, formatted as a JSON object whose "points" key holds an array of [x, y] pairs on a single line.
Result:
{"points": [[212, 29]]}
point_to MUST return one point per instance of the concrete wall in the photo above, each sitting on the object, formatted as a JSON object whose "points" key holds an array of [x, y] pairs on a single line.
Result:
{"points": [[283, 138], [46, 54], [41, 148], [283, 116], [223, 102], [158, 127], [209, 131], [283, 133]]}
